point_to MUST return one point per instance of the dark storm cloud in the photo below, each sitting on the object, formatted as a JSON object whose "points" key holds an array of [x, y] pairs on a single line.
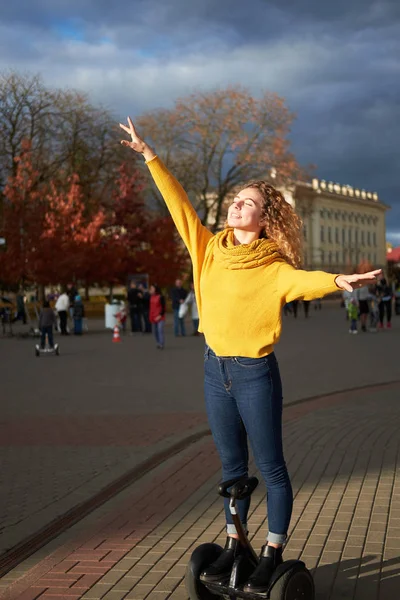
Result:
{"points": [[335, 63]]}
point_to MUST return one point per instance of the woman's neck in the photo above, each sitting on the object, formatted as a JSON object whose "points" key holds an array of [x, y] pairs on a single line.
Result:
{"points": [[244, 237]]}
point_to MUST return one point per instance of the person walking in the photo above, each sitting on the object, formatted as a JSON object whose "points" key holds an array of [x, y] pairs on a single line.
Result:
{"points": [[252, 259], [385, 294], [191, 303], [135, 308], [145, 308], [157, 315], [47, 320], [62, 306], [178, 296], [362, 296], [78, 315], [21, 312]]}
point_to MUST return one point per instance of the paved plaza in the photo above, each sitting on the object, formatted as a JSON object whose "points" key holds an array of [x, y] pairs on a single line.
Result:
{"points": [[123, 424]]}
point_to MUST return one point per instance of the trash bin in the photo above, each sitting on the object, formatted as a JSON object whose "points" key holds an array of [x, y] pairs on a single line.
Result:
{"points": [[111, 311]]}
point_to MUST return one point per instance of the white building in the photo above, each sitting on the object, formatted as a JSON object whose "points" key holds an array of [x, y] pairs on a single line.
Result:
{"points": [[343, 226]]}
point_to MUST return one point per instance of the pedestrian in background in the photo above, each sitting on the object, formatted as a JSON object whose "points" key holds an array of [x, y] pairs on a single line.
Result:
{"points": [[47, 319], [135, 306], [306, 306], [178, 296], [352, 310], [62, 306], [385, 295], [191, 303], [21, 312], [145, 308], [362, 296], [157, 315], [78, 315]]}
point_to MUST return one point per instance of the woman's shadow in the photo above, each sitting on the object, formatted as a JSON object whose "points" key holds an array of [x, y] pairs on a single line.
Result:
{"points": [[368, 578]]}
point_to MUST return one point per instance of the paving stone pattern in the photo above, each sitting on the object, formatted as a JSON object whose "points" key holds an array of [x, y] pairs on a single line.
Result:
{"points": [[342, 454]]}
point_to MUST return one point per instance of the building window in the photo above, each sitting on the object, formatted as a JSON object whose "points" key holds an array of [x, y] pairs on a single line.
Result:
{"points": [[362, 238], [337, 257], [350, 231], [305, 232], [374, 238], [368, 239], [337, 235], [322, 233], [322, 256], [343, 236], [329, 235], [356, 239]]}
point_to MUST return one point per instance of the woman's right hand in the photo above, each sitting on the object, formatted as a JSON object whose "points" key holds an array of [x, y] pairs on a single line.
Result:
{"points": [[136, 142]]}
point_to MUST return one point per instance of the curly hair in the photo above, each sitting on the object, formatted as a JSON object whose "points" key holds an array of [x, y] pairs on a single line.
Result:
{"points": [[282, 224]]}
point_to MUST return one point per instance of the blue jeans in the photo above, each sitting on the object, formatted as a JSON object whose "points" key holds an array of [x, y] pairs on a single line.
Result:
{"points": [[244, 399], [158, 330], [179, 324], [49, 332]]}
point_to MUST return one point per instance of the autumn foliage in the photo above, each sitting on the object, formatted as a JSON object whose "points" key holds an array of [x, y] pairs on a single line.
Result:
{"points": [[216, 141], [53, 237]]}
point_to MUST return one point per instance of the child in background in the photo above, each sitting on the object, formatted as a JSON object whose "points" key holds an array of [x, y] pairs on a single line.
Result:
{"points": [[352, 311], [47, 319]]}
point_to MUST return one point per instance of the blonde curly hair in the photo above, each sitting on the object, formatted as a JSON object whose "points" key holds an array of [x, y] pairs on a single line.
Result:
{"points": [[282, 224]]}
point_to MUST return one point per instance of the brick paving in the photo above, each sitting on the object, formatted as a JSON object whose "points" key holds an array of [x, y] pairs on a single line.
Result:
{"points": [[342, 453]]}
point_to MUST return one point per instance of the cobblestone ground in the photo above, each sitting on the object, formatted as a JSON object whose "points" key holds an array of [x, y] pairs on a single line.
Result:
{"points": [[73, 424], [342, 454]]}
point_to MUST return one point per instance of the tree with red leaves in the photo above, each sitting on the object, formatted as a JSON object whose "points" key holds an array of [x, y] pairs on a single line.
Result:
{"points": [[134, 241], [22, 220]]}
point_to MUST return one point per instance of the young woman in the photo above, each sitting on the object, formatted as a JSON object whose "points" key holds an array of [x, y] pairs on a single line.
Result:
{"points": [[243, 277], [157, 315]]}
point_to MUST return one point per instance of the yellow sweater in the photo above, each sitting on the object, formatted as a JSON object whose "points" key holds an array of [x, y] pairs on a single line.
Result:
{"points": [[240, 290]]}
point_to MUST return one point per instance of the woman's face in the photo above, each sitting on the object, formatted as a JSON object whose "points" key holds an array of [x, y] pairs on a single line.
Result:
{"points": [[152, 289], [245, 211]]}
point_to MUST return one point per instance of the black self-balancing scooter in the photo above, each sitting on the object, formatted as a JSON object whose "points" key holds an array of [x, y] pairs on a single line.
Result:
{"points": [[290, 581]]}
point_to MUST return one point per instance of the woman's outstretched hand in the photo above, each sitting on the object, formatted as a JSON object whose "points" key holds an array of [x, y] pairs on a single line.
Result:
{"points": [[353, 282], [136, 142]]}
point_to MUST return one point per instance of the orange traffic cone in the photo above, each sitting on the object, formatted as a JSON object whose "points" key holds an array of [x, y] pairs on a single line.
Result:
{"points": [[116, 336]]}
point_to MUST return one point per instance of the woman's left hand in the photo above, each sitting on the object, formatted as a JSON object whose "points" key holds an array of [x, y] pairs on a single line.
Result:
{"points": [[359, 280]]}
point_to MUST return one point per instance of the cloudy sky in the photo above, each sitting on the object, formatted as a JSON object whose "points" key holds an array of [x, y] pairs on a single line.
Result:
{"points": [[336, 63]]}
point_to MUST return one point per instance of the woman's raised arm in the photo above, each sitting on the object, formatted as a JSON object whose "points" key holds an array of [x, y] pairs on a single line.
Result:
{"points": [[193, 233]]}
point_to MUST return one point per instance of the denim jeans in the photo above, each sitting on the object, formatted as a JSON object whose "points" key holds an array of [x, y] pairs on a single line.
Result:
{"points": [[244, 400], [179, 324], [49, 332], [158, 330]]}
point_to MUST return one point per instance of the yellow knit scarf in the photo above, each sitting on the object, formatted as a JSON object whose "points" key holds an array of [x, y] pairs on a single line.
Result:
{"points": [[244, 256]]}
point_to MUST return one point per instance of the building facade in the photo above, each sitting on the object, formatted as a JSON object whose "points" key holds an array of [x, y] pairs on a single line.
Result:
{"points": [[343, 226]]}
